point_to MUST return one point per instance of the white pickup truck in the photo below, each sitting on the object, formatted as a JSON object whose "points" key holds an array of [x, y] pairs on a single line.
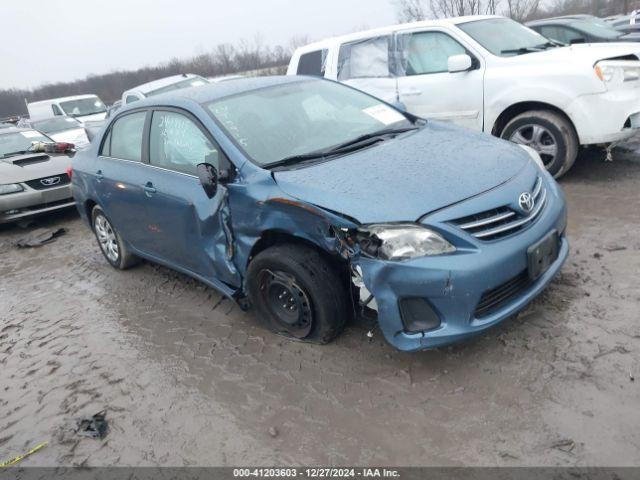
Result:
{"points": [[492, 74]]}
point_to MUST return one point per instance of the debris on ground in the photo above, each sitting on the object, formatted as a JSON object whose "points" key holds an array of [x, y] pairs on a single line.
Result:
{"points": [[39, 237], [614, 247], [273, 431], [565, 445], [19, 458], [94, 427], [370, 334], [631, 377]]}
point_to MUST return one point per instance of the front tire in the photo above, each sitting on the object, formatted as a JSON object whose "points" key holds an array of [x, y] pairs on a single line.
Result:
{"points": [[548, 133], [110, 242], [297, 293]]}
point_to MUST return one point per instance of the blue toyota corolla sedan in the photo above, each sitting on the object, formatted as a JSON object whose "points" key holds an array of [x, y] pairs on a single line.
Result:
{"points": [[312, 201]]}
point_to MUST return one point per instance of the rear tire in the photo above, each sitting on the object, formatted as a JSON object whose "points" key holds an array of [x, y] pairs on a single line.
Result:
{"points": [[297, 293], [548, 133], [110, 242]]}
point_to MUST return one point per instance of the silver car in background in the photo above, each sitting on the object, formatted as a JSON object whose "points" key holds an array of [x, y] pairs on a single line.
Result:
{"points": [[31, 183], [63, 129]]}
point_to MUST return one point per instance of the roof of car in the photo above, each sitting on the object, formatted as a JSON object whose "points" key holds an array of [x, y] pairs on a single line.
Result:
{"points": [[559, 20], [161, 82], [392, 28], [65, 99], [215, 91]]}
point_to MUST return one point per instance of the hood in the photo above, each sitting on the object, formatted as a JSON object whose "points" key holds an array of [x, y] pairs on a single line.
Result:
{"points": [[581, 52], [22, 168], [77, 136], [407, 177]]}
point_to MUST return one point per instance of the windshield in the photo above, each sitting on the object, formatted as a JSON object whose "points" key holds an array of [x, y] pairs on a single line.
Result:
{"points": [[19, 141], [299, 118], [596, 28], [504, 37], [84, 106], [190, 82], [57, 124]]}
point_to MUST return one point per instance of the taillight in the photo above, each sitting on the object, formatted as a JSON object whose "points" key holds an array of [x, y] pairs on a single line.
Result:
{"points": [[69, 172]]}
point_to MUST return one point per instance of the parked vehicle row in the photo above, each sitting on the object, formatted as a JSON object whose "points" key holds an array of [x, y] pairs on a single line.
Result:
{"points": [[493, 75]]}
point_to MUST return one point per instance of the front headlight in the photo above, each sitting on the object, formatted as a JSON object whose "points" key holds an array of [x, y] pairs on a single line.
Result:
{"points": [[10, 188], [401, 242], [535, 156], [616, 72]]}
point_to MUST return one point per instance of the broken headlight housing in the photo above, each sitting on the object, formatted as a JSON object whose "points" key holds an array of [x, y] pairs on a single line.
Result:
{"points": [[401, 242]]}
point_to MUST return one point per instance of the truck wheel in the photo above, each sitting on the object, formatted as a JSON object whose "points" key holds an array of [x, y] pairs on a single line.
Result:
{"points": [[110, 242], [297, 293], [549, 134]]}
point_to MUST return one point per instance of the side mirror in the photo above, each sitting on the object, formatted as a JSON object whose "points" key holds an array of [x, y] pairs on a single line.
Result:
{"points": [[459, 63], [208, 178]]}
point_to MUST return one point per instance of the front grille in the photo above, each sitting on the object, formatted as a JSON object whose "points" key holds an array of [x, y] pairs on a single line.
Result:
{"points": [[494, 299], [41, 183], [502, 221]]}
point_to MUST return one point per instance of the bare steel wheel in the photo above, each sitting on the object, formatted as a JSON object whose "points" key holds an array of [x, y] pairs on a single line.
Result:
{"points": [[296, 292], [111, 244], [287, 302]]}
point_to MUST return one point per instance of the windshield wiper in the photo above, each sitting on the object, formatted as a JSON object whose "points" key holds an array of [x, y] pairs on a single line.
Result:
{"points": [[367, 136], [357, 143], [523, 50]]}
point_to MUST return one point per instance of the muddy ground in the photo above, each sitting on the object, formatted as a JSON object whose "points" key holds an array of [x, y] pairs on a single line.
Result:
{"points": [[189, 379]]}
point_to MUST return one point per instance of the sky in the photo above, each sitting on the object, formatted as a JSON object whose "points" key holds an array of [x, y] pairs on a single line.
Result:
{"points": [[48, 41]]}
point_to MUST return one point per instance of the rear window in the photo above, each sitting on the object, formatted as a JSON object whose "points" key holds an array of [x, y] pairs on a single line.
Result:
{"points": [[312, 63]]}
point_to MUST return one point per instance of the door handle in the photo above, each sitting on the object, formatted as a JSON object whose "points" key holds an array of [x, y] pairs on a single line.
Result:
{"points": [[99, 175], [149, 189], [412, 93]]}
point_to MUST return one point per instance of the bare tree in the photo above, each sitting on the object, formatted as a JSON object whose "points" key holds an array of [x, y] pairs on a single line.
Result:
{"points": [[522, 10], [410, 10]]}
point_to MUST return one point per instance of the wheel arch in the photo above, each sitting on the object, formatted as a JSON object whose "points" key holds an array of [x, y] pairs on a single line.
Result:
{"points": [[271, 237], [516, 109]]}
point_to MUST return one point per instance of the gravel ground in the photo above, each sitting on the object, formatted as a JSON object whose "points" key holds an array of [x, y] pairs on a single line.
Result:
{"points": [[189, 379]]}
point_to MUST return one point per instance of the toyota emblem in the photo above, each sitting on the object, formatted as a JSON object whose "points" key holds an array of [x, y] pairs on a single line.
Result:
{"points": [[526, 202]]}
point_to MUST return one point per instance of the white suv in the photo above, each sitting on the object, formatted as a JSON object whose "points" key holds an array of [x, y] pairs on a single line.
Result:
{"points": [[492, 74]]}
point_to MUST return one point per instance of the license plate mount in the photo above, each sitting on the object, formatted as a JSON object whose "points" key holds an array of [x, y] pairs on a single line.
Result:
{"points": [[542, 254]]}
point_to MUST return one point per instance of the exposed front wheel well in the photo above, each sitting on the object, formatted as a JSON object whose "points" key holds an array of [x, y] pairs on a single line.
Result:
{"points": [[271, 238], [514, 110]]}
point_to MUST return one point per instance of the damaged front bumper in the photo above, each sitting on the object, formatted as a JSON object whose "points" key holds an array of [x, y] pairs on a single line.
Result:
{"points": [[30, 202], [459, 295]]}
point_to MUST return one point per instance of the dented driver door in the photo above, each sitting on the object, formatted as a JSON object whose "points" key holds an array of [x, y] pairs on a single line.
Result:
{"points": [[185, 226]]}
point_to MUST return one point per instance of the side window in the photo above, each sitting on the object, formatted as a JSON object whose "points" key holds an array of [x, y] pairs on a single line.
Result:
{"points": [[131, 99], [312, 63], [126, 137], [427, 52], [176, 143], [571, 36], [367, 58], [56, 109]]}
